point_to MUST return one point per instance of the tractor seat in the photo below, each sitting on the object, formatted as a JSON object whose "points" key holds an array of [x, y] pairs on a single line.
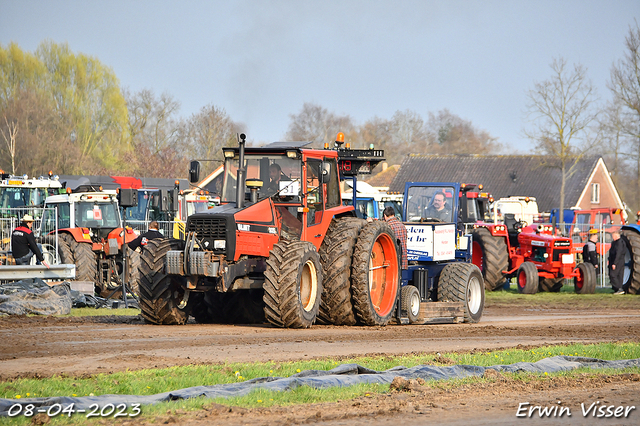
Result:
{"points": [[510, 222]]}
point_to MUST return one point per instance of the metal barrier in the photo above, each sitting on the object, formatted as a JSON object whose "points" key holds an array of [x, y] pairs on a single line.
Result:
{"points": [[11, 218], [170, 229]]}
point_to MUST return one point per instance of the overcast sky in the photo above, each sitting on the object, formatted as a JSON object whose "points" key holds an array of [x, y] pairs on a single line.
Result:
{"points": [[262, 60]]}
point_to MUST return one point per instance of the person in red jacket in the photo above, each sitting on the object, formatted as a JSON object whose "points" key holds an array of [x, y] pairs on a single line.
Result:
{"points": [[23, 243]]}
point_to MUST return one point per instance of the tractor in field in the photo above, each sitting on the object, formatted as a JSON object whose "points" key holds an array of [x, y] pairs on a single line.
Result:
{"points": [[90, 235], [282, 248], [538, 259]]}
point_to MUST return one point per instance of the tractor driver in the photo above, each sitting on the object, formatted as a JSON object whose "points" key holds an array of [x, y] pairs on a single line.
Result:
{"points": [[438, 208], [275, 174]]}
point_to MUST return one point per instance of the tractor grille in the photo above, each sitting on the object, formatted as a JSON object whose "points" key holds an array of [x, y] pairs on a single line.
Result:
{"points": [[557, 254], [209, 228]]}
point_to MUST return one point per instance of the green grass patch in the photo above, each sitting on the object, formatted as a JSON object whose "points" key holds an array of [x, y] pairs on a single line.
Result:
{"points": [[152, 381], [93, 312], [567, 298]]}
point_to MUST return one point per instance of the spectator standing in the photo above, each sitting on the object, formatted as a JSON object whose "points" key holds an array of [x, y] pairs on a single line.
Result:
{"points": [[590, 253], [23, 243], [399, 230], [143, 239], [616, 262]]}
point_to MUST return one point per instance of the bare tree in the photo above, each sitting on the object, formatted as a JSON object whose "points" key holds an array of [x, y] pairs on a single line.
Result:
{"points": [[625, 87], [561, 111], [450, 134], [318, 125], [10, 138], [207, 132]]}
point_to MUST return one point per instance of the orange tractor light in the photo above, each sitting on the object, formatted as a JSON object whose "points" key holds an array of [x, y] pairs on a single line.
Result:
{"points": [[340, 138]]}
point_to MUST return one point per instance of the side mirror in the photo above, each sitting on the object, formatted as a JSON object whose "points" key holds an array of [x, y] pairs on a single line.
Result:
{"points": [[163, 202], [128, 197], [326, 173], [194, 171]]}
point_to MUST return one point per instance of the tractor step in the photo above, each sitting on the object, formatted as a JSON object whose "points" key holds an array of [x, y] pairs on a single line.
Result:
{"points": [[441, 313]]}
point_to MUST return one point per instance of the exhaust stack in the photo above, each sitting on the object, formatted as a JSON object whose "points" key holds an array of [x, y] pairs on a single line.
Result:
{"points": [[241, 174]]}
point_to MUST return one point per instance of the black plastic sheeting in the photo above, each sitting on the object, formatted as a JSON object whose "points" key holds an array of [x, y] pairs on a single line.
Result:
{"points": [[34, 296], [343, 375]]}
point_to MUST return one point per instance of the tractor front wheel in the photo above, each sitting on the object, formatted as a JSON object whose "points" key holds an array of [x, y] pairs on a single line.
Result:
{"points": [[163, 298], [462, 282], [410, 302], [491, 255], [585, 281], [293, 285], [528, 278], [375, 276]]}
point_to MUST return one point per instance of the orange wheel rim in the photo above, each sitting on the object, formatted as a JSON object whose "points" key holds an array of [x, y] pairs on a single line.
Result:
{"points": [[383, 274], [522, 279]]}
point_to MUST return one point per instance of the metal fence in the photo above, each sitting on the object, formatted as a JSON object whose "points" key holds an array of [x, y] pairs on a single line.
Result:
{"points": [[11, 218], [170, 229]]}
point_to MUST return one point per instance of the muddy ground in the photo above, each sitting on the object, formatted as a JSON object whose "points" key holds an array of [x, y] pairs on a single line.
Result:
{"points": [[42, 347]]}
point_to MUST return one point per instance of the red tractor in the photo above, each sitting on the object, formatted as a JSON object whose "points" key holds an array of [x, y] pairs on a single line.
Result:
{"points": [[279, 247], [90, 235], [538, 259]]}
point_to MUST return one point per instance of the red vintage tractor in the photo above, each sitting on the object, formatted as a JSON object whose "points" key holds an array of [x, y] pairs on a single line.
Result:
{"points": [[91, 236], [538, 259], [279, 247]]}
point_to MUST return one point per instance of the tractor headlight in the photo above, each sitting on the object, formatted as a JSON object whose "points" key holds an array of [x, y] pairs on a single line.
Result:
{"points": [[220, 244], [545, 255]]}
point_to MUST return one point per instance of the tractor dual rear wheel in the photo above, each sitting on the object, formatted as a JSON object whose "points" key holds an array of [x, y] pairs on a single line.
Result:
{"points": [[491, 255], [462, 282], [375, 275], [336, 254], [293, 285], [527, 278], [585, 281], [163, 298]]}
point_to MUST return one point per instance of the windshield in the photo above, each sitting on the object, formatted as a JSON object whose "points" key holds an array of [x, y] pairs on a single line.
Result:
{"points": [[97, 215], [20, 197], [197, 207], [429, 202], [49, 217], [278, 173]]}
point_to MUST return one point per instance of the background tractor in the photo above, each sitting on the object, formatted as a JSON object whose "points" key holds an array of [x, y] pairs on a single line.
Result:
{"points": [[282, 248], [91, 236], [535, 256]]}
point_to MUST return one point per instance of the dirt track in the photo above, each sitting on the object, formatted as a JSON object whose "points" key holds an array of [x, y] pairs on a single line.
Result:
{"points": [[41, 347]]}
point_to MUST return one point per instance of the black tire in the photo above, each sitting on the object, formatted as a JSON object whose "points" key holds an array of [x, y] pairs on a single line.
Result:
{"points": [[375, 274], [65, 256], [491, 256], [207, 307], [631, 275], [336, 254], [163, 299], [410, 303], [527, 278], [86, 265], [585, 282], [243, 307], [293, 285], [552, 285], [462, 282], [133, 277]]}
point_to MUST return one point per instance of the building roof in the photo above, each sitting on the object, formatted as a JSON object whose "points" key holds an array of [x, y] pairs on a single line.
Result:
{"points": [[502, 175], [384, 178]]}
